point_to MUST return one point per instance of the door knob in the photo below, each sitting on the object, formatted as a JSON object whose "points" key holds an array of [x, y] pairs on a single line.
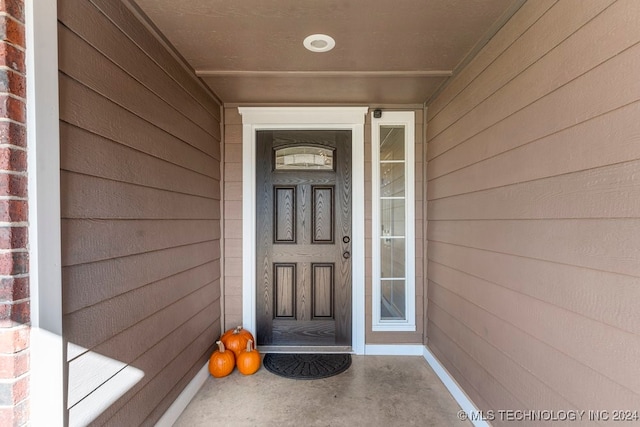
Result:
{"points": [[346, 255]]}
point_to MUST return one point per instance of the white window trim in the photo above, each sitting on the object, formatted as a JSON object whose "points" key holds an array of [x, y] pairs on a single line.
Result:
{"points": [[258, 118], [406, 119]]}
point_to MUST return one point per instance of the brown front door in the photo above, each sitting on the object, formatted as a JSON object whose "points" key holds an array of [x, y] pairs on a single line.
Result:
{"points": [[303, 237]]}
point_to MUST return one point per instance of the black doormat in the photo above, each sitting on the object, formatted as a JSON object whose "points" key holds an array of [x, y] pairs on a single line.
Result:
{"points": [[304, 366]]}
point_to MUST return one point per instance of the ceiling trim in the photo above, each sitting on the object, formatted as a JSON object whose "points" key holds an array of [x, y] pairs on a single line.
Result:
{"points": [[249, 73]]}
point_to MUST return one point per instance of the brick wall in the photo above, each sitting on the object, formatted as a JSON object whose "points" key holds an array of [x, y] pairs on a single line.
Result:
{"points": [[14, 280]]}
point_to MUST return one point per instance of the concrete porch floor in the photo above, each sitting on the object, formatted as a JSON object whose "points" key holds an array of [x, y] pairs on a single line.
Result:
{"points": [[374, 391]]}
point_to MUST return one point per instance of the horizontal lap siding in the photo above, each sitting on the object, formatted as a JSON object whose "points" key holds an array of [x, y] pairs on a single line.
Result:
{"points": [[232, 221], [534, 212], [140, 160]]}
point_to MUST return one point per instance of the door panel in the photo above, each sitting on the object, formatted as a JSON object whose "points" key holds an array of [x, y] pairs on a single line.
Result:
{"points": [[322, 286], [303, 238], [285, 210], [322, 214], [285, 290]]}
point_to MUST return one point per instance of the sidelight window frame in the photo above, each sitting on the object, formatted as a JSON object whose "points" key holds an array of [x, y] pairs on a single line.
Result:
{"points": [[405, 119]]}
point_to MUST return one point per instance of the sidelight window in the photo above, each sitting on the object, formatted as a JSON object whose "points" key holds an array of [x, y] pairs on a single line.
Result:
{"points": [[393, 219]]}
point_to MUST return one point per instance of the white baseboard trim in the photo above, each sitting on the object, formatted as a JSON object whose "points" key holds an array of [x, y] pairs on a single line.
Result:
{"points": [[169, 418], [454, 388], [393, 350]]}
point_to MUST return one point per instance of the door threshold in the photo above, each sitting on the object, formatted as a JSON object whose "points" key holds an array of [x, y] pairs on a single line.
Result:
{"points": [[305, 349]]}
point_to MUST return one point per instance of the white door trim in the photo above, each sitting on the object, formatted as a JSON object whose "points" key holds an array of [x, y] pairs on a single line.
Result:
{"points": [[257, 118]]}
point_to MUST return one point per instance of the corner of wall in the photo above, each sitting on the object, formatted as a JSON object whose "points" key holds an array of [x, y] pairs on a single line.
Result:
{"points": [[15, 312]]}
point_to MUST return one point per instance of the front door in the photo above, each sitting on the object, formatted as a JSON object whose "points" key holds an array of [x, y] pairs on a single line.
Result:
{"points": [[303, 237]]}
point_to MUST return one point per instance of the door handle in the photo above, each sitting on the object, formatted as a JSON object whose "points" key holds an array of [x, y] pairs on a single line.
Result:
{"points": [[346, 255]]}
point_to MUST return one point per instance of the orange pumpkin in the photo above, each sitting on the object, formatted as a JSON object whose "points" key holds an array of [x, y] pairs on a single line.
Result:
{"points": [[236, 339], [221, 362], [228, 332], [248, 361], [244, 332], [237, 330]]}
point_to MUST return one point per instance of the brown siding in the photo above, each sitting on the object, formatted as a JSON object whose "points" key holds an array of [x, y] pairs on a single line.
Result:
{"points": [[140, 181], [232, 220], [534, 212]]}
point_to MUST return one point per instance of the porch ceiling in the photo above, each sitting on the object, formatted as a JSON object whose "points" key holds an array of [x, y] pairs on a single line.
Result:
{"points": [[387, 51]]}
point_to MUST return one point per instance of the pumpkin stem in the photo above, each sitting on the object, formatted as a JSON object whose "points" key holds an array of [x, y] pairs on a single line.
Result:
{"points": [[220, 346], [237, 330], [249, 345]]}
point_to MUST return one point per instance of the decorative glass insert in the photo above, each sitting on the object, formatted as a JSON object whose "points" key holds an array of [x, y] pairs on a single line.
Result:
{"points": [[393, 222], [304, 158]]}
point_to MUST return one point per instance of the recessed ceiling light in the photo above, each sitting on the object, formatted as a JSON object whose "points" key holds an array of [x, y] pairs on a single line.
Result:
{"points": [[319, 43]]}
